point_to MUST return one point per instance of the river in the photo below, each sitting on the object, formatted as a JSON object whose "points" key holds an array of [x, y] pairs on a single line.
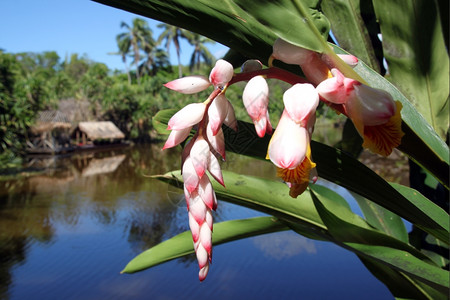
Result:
{"points": [[67, 233]]}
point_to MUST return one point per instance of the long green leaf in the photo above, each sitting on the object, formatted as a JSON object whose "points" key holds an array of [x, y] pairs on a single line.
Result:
{"points": [[350, 29], [181, 244], [382, 219], [401, 285], [264, 195], [347, 227], [414, 47], [222, 21], [404, 262], [299, 22], [375, 245]]}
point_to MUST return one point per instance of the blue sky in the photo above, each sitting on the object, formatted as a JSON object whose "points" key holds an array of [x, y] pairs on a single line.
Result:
{"points": [[72, 26]]}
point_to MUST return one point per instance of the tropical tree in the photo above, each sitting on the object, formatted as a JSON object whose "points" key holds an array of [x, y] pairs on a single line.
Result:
{"points": [[154, 60], [173, 34], [200, 51], [137, 37]]}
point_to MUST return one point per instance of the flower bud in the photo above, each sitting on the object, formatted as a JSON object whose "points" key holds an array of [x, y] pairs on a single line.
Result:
{"points": [[289, 143], [376, 106], [188, 116], [189, 84], [300, 101], [221, 74], [289, 53]]}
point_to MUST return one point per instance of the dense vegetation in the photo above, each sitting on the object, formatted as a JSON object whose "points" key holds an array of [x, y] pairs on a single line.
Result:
{"points": [[32, 82], [76, 85]]}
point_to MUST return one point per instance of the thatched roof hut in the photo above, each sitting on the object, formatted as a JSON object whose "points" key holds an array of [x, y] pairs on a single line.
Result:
{"points": [[50, 134], [48, 120], [102, 130]]}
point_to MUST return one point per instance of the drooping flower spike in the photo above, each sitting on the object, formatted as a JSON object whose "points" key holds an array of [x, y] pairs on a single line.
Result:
{"points": [[198, 158]]}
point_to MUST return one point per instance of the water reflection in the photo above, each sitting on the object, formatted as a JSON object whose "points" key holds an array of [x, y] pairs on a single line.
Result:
{"points": [[67, 231], [284, 245]]}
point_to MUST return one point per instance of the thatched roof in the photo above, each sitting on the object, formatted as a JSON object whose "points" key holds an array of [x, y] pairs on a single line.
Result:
{"points": [[101, 130], [48, 120]]}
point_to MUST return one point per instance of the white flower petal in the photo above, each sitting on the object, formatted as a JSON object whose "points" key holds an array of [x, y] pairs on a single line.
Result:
{"points": [[188, 116], [189, 84]]}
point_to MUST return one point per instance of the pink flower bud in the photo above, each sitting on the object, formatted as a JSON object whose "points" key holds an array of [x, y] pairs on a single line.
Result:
{"points": [[203, 272], [256, 97], [200, 156], [197, 208], [194, 227], [230, 119], [188, 116], [300, 101], [289, 53], [217, 141], [221, 74], [176, 137], [289, 143], [202, 255], [190, 176], [206, 192], [350, 60], [336, 89], [217, 112], [214, 169], [375, 106], [189, 84]]}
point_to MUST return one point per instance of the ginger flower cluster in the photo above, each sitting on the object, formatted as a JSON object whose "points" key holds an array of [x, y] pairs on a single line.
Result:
{"points": [[374, 113]]}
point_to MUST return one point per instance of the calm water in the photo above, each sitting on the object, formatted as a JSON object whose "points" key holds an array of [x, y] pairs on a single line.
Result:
{"points": [[67, 233]]}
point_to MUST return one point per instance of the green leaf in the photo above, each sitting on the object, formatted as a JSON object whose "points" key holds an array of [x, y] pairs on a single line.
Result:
{"points": [[282, 16], [336, 166], [382, 218], [160, 120], [265, 195], [181, 244], [402, 261], [375, 245], [428, 207], [350, 29], [401, 285], [414, 47], [347, 227], [222, 21]]}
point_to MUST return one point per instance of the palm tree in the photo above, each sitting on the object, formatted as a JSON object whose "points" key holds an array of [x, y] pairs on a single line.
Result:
{"points": [[124, 49], [172, 34], [137, 37], [155, 59], [200, 51]]}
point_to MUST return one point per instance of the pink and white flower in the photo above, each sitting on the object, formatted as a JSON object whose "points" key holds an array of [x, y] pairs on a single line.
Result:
{"points": [[256, 100]]}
